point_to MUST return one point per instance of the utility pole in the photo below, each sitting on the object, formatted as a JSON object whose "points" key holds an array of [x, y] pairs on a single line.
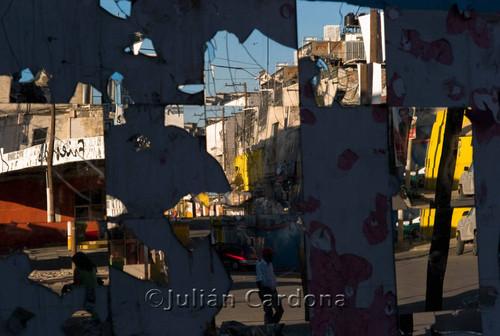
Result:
{"points": [[438, 252], [408, 154], [245, 115], [245, 95], [50, 154], [375, 56], [366, 71], [223, 141]]}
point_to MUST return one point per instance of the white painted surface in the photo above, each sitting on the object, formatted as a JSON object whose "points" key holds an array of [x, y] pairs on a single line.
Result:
{"points": [[65, 151]]}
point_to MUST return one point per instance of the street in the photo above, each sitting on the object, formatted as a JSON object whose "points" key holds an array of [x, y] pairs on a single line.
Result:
{"points": [[461, 279], [244, 281], [460, 287]]}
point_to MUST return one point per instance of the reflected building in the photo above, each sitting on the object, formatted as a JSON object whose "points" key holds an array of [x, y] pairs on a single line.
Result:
{"points": [[78, 168]]}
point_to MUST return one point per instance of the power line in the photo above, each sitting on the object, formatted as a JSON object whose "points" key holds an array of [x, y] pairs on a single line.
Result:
{"points": [[228, 62], [248, 52], [235, 61], [235, 68]]}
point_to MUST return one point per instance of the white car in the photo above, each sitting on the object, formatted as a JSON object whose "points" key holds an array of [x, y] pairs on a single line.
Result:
{"points": [[467, 231], [466, 182]]}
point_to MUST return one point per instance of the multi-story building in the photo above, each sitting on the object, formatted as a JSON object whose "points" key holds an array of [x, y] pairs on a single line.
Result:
{"points": [[78, 190]]}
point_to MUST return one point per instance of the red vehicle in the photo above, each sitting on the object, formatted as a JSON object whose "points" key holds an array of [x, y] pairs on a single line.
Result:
{"points": [[237, 256]]}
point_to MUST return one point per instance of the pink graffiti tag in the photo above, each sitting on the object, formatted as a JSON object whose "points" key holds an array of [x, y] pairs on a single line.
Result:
{"points": [[480, 31], [455, 90], [375, 225], [307, 117], [308, 90], [396, 91], [485, 114], [347, 159], [312, 204], [439, 50], [341, 274]]}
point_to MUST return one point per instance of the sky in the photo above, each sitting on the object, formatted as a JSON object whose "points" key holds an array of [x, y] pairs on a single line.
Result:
{"points": [[229, 63]]}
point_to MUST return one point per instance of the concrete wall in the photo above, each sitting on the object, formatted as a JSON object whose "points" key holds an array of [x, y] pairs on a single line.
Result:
{"points": [[17, 127], [5, 89], [453, 63]]}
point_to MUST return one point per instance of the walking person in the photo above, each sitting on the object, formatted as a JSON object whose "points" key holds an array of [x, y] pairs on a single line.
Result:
{"points": [[85, 274], [266, 282]]}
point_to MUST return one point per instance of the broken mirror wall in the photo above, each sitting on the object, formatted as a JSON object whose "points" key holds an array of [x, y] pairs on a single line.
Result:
{"points": [[347, 212], [250, 125], [418, 215], [88, 70], [149, 166], [43, 199], [452, 56]]}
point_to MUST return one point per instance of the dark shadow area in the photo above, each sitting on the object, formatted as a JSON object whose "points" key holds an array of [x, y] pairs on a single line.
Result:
{"points": [[466, 300]]}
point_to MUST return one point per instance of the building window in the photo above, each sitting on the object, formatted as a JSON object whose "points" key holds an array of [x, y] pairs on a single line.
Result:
{"points": [[39, 136], [274, 129], [90, 205]]}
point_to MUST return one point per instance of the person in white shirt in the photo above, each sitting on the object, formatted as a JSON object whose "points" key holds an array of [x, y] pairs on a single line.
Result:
{"points": [[266, 282]]}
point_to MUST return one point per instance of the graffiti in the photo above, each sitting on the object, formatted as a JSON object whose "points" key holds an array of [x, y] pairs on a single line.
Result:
{"points": [[65, 151], [375, 226], [3, 165], [438, 50], [480, 31]]}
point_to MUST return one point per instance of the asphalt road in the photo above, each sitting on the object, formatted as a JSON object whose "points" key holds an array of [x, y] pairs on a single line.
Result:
{"points": [[243, 309], [461, 288], [461, 283]]}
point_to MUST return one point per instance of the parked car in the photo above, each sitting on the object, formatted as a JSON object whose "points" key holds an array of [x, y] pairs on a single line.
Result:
{"points": [[417, 178], [466, 182], [412, 228], [237, 256], [467, 232]]}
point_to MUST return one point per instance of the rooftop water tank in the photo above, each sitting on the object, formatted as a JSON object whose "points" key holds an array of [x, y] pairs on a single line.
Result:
{"points": [[351, 21]]}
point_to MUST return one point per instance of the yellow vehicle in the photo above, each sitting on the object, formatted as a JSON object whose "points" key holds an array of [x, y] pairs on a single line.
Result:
{"points": [[463, 160]]}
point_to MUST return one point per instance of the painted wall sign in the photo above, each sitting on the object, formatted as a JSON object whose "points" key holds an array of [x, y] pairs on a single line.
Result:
{"points": [[65, 151]]}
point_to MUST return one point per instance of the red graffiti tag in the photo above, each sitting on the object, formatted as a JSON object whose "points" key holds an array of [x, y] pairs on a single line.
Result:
{"points": [[439, 50], [312, 204], [326, 264], [308, 90], [307, 117], [485, 114], [347, 159], [375, 225], [458, 23], [396, 91], [455, 90], [341, 274]]}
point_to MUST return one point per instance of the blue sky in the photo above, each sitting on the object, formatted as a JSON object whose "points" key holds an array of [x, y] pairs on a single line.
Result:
{"points": [[255, 54], [227, 61]]}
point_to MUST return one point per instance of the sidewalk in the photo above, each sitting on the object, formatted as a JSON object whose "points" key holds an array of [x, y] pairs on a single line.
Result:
{"points": [[53, 268], [52, 265], [59, 257]]}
